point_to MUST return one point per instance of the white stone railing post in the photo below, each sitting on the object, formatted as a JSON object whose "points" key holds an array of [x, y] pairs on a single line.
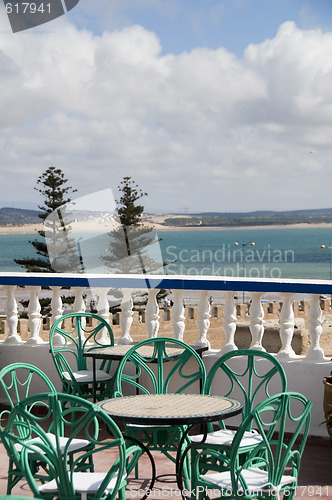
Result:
{"points": [[103, 310], [203, 319], [34, 316], [12, 316], [286, 322], [315, 352], [79, 304], [178, 316], [126, 316], [152, 313], [79, 307], [57, 312], [229, 322], [256, 321], [56, 304]]}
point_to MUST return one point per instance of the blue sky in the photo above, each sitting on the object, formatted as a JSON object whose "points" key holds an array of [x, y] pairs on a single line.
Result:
{"points": [[214, 105], [183, 25]]}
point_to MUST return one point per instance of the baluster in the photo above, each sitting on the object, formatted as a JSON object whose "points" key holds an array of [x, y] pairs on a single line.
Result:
{"points": [[315, 352], [34, 316], [178, 316], [57, 312], [12, 316], [79, 307], [56, 304], [79, 304], [126, 316], [203, 321], [103, 309], [256, 321], [229, 322], [152, 313], [286, 321]]}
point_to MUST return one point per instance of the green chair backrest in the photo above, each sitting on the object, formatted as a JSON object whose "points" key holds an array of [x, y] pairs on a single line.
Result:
{"points": [[248, 375], [75, 418], [67, 344], [20, 380], [161, 365], [283, 422]]}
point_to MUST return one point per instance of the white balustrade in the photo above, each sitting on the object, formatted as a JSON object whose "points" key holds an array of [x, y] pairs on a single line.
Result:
{"points": [[103, 310], [178, 318], [126, 316], [57, 312], [256, 321], [178, 315], [56, 304], [34, 316], [152, 313], [203, 320], [79, 304], [287, 323], [315, 352], [229, 322], [12, 316], [79, 307]]}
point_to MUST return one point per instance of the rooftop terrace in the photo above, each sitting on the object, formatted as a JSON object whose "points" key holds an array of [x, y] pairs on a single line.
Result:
{"points": [[305, 373]]}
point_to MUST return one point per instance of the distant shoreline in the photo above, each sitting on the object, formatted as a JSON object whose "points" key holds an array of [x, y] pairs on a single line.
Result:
{"points": [[82, 227]]}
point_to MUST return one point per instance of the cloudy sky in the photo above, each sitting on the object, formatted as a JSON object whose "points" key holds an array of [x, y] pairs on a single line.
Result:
{"points": [[210, 105]]}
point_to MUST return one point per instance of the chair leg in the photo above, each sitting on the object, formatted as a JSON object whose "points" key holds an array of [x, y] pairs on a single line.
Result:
{"points": [[13, 478], [10, 484], [122, 493]]}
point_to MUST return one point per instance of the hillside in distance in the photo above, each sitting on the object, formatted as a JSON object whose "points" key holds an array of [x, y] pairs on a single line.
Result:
{"points": [[18, 216], [258, 218]]}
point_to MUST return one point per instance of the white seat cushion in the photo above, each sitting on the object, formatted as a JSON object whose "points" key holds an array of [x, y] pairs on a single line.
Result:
{"points": [[86, 376], [224, 437], [75, 444], [256, 479], [83, 482]]}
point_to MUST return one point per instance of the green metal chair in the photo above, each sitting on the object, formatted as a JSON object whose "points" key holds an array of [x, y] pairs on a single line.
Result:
{"points": [[26, 436], [249, 376], [178, 368], [18, 380], [67, 347], [272, 466]]}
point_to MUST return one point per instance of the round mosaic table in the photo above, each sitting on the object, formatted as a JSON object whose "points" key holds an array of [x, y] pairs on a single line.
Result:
{"points": [[171, 409]]}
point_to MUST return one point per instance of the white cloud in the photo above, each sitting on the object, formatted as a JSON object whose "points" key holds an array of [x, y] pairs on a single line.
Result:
{"points": [[202, 129]]}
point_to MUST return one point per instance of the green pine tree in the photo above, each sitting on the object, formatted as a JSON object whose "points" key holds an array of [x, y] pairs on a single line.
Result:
{"points": [[129, 250], [52, 185], [131, 241]]}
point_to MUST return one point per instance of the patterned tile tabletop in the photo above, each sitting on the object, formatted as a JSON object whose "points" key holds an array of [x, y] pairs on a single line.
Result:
{"points": [[118, 351], [170, 408]]}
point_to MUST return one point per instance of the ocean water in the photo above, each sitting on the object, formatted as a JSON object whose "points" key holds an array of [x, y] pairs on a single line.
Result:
{"points": [[278, 253]]}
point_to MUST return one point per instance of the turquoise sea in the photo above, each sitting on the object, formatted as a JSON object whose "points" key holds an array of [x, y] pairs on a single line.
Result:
{"points": [[278, 253]]}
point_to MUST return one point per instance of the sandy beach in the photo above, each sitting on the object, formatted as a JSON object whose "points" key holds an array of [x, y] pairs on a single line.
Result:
{"points": [[155, 222]]}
